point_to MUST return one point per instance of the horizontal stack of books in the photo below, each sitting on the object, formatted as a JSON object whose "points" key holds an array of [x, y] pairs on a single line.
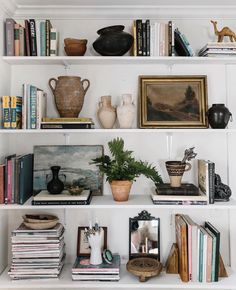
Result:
{"points": [[16, 179], [30, 38], [189, 193], [64, 198], [67, 123], [199, 250], [218, 49], [37, 254], [159, 39], [83, 271]]}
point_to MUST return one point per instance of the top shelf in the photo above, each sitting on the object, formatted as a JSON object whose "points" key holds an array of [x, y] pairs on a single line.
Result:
{"points": [[81, 60]]}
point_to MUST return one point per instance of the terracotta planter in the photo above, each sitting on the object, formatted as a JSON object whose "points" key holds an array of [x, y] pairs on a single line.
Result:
{"points": [[121, 189]]}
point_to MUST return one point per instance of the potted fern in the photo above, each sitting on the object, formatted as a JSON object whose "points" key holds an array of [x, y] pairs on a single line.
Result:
{"points": [[121, 169]]}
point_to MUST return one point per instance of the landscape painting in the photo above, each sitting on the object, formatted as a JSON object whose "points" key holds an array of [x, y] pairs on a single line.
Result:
{"points": [[173, 101], [75, 162]]}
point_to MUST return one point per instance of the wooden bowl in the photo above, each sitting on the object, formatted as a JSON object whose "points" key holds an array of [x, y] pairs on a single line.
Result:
{"points": [[144, 268], [75, 47], [40, 222]]}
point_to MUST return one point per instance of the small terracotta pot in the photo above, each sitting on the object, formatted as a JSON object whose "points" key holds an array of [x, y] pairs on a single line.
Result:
{"points": [[121, 189]]}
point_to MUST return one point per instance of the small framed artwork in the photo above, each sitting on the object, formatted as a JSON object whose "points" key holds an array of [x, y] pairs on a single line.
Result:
{"points": [[83, 248], [173, 101]]}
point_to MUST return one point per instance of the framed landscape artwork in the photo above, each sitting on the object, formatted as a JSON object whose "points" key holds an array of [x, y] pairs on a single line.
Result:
{"points": [[75, 162], [173, 101]]}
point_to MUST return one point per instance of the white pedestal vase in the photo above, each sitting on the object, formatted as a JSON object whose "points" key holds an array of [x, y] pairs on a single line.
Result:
{"points": [[126, 112]]}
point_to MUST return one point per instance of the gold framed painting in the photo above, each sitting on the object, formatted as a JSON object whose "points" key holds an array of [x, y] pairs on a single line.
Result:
{"points": [[173, 101]]}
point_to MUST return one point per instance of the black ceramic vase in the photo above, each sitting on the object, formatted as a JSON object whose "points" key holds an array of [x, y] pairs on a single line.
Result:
{"points": [[55, 185], [218, 116], [113, 41]]}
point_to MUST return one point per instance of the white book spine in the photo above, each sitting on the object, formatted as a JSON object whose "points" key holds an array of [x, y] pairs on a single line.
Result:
{"points": [[41, 108], [53, 42]]}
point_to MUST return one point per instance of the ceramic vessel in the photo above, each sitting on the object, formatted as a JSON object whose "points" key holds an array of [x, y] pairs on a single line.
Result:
{"points": [[113, 41], [75, 47], [126, 112], [121, 189], [106, 113], [55, 186], [69, 92], [218, 116], [176, 170]]}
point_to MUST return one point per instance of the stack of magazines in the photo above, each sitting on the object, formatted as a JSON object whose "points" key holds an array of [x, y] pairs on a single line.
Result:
{"points": [[218, 49], [83, 271], [37, 254]]}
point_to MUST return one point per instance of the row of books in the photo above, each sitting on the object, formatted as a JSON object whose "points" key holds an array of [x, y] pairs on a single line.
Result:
{"points": [[189, 193], [67, 123], [218, 49], [159, 39], [16, 179], [199, 250], [24, 112], [82, 270], [37, 254], [30, 38]]}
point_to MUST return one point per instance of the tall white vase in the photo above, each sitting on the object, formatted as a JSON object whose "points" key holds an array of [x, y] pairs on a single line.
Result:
{"points": [[106, 113], [126, 112]]}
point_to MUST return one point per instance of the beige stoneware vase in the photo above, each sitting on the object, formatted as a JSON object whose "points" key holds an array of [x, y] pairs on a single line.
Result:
{"points": [[106, 113]]}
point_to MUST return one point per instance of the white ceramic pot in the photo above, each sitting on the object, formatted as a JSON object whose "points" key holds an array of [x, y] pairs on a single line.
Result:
{"points": [[126, 112], [106, 113]]}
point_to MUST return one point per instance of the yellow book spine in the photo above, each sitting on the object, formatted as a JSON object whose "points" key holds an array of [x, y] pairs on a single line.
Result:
{"points": [[6, 112], [13, 111]]}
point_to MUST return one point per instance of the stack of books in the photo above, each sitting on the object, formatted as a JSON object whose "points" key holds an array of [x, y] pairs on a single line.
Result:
{"points": [[218, 49], [37, 254], [198, 248], [64, 198], [30, 38], [83, 271], [67, 123]]}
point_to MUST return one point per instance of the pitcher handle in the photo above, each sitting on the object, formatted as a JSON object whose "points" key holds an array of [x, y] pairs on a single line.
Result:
{"points": [[50, 84], [188, 166], [88, 84]]}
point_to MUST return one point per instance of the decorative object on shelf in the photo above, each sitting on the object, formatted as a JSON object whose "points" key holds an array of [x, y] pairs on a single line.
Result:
{"points": [[40, 221], [144, 268], [144, 236], [126, 112], [107, 256], [75, 47], [77, 167], [219, 116], [173, 260], [69, 94], [176, 169], [113, 41], [225, 31], [222, 191], [83, 246], [106, 113], [173, 101], [75, 190], [55, 185], [222, 269], [123, 167]]}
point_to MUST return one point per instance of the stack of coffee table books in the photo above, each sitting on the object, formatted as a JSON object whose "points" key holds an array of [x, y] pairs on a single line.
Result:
{"points": [[37, 254], [83, 271]]}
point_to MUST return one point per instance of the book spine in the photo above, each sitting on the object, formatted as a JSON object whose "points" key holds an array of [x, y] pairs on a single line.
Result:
{"points": [[13, 172], [9, 184], [17, 181], [9, 35], [139, 37], [6, 112], [22, 40], [18, 112], [173, 39], [43, 38], [33, 37], [53, 42], [41, 107], [211, 176], [148, 37], [162, 40], [28, 91], [13, 100], [27, 39], [24, 108], [66, 126], [48, 28], [170, 38], [200, 257], [135, 38], [33, 107], [144, 39], [60, 202], [17, 39], [208, 258], [2, 170]]}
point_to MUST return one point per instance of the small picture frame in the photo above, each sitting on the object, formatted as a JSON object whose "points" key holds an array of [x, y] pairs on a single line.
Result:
{"points": [[173, 101], [83, 248]]}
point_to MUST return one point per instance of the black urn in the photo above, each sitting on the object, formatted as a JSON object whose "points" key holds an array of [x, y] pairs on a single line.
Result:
{"points": [[218, 116], [113, 41], [55, 185]]}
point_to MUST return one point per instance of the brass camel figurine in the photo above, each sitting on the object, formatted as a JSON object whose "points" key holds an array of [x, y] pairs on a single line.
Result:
{"points": [[225, 31]]}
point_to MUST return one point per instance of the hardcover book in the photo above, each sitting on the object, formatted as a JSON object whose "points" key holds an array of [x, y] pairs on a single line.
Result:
{"points": [[25, 178], [206, 178], [184, 189], [9, 35]]}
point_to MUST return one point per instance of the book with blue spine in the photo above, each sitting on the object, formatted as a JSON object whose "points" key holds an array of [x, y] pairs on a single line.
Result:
{"points": [[25, 178], [43, 38]]}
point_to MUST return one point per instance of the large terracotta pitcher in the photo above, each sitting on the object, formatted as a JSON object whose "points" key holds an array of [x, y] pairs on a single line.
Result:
{"points": [[69, 92]]}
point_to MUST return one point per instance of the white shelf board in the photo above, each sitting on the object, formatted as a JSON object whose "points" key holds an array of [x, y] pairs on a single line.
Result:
{"points": [[120, 60], [127, 280], [134, 202], [108, 131]]}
